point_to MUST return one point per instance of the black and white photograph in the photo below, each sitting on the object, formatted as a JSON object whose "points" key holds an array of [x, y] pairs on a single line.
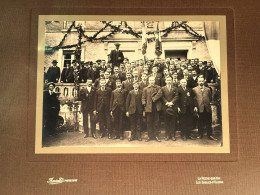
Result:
{"points": [[131, 84]]}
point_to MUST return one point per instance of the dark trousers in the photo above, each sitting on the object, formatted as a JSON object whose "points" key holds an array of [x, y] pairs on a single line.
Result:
{"points": [[205, 120], [50, 122], [136, 122], [119, 116], [153, 122], [92, 123], [170, 125], [104, 120], [186, 123]]}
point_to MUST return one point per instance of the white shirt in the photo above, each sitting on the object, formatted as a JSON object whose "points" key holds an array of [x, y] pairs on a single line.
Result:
{"points": [[51, 92], [89, 89]]}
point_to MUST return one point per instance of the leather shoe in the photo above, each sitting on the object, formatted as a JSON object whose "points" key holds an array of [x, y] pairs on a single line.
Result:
{"points": [[101, 135], [148, 139], [109, 136], [94, 136], [139, 139], [166, 138], [131, 139], [212, 138], [184, 138], [157, 139], [173, 139], [200, 137], [121, 137], [86, 136], [192, 138]]}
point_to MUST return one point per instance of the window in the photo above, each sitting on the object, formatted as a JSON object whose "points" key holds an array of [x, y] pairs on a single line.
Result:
{"points": [[68, 56]]}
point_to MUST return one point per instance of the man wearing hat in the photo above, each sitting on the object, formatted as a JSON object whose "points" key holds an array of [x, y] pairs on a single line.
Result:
{"points": [[51, 108], [170, 98], [53, 73], [116, 56]]}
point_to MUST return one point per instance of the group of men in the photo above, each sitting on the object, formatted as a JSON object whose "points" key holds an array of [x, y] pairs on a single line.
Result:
{"points": [[142, 95]]}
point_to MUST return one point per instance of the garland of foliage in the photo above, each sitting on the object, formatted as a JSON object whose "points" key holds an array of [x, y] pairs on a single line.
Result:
{"points": [[117, 29]]}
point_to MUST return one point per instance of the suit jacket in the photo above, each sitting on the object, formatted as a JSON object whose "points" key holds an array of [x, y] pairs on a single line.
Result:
{"points": [[70, 75], [186, 98], [134, 102], [127, 85], [170, 96], [152, 94], [118, 98], [193, 82], [116, 57], [142, 85], [203, 98], [63, 75], [92, 74], [87, 99], [51, 104], [53, 74], [102, 99], [83, 75]]}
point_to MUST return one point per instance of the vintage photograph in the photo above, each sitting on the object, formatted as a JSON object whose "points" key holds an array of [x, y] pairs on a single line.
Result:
{"points": [[128, 83]]}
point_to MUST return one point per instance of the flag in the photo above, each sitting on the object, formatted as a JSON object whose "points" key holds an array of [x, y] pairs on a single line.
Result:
{"points": [[158, 44], [144, 39]]}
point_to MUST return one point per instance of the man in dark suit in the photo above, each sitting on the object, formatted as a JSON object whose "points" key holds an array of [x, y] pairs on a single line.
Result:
{"points": [[116, 56], [83, 71], [63, 73], [170, 105], [134, 110], [152, 105], [70, 73], [53, 73], [185, 109], [203, 98], [194, 80], [117, 109], [101, 107], [87, 96], [128, 83], [51, 108]]}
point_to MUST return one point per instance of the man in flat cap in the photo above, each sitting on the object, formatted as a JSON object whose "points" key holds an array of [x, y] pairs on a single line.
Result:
{"points": [[53, 73], [116, 56]]}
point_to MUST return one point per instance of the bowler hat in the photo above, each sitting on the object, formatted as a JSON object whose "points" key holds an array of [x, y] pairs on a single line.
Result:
{"points": [[170, 111], [54, 62], [117, 44]]}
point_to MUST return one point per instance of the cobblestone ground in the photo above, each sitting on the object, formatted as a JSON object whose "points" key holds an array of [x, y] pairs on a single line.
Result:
{"points": [[77, 139]]}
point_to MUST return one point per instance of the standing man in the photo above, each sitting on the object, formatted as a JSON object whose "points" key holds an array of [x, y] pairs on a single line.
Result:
{"points": [[51, 108], [152, 106], [53, 73], [116, 56], [117, 109], [70, 72], [101, 107], [134, 110], [203, 98], [185, 109], [87, 97], [170, 105]]}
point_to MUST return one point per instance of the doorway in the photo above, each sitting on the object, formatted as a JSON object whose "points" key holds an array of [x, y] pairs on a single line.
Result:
{"points": [[182, 54]]}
